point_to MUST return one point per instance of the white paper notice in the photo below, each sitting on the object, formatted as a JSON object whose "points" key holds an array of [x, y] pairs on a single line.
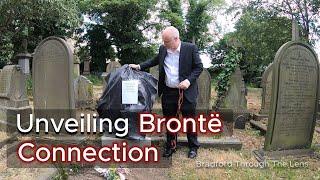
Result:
{"points": [[130, 92]]}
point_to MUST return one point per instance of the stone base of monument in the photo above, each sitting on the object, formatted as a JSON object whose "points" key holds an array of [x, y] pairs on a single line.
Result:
{"points": [[258, 117], [108, 141], [259, 125], [224, 143], [62, 140], [8, 117], [262, 155]]}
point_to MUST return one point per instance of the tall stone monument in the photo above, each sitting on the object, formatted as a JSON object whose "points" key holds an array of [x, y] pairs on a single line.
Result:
{"points": [[13, 97], [293, 107], [53, 79]]}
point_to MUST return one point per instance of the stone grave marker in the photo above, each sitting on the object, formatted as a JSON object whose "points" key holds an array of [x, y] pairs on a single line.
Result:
{"points": [[266, 84], [53, 79], [13, 98], [113, 65], [204, 85], [83, 91], [294, 99], [266, 90], [236, 95], [86, 66], [155, 71]]}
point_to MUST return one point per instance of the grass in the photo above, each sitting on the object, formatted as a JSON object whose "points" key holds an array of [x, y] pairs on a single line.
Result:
{"points": [[96, 80]]}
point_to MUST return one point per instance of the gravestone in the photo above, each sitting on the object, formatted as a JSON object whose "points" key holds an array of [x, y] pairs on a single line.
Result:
{"points": [[266, 85], [76, 61], [76, 67], [13, 97], [236, 95], [24, 62], [113, 65], [155, 71], [83, 91], [86, 66], [204, 86], [53, 79], [294, 99]]}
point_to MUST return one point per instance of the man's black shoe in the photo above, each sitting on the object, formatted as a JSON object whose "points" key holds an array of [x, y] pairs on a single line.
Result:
{"points": [[192, 153], [168, 152]]}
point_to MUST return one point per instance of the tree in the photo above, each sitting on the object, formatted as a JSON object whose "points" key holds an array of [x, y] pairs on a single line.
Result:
{"points": [[193, 26], [28, 22], [124, 22], [306, 12], [259, 34], [174, 15]]}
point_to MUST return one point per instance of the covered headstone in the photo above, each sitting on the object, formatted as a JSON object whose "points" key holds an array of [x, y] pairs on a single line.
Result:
{"points": [[128, 92]]}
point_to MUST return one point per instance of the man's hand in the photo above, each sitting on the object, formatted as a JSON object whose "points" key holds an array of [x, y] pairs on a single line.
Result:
{"points": [[184, 84], [135, 66]]}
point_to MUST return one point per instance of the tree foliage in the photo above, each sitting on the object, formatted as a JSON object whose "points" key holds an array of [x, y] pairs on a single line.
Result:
{"points": [[123, 23], [306, 12], [259, 34], [193, 26], [28, 22]]}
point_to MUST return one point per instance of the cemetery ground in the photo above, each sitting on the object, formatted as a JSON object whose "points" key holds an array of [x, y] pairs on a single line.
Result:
{"points": [[184, 168]]}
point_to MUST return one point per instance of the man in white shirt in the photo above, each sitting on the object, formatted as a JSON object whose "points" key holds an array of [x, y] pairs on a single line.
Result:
{"points": [[179, 67]]}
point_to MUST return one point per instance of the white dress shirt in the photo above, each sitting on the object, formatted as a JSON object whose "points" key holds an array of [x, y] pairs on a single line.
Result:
{"points": [[171, 67]]}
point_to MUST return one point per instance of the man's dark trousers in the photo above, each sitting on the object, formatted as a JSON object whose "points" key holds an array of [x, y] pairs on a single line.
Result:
{"points": [[170, 99]]}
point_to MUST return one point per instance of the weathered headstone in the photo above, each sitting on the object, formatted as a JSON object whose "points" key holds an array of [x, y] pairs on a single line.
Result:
{"points": [[294, 99], [266, 85], [13, 97], [236, 95], [155, 71], [113, 65], [24, 62], [76, 66], [83, 91], [86, 66], [53, 79], [204, 86]]}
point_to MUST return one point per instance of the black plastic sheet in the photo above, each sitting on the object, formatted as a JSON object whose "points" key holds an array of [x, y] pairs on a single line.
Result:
{"points": [[110, 103]]}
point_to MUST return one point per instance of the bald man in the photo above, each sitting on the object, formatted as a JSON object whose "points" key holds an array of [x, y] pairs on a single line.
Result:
{"points": [[179, 67]]}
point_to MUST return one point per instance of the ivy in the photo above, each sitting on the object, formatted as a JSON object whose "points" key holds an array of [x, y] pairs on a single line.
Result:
{"points": [[230, 61]]}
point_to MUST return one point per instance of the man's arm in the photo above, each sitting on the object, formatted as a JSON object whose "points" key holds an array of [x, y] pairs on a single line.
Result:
{"points": [[197, 66], [151, 62]]}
